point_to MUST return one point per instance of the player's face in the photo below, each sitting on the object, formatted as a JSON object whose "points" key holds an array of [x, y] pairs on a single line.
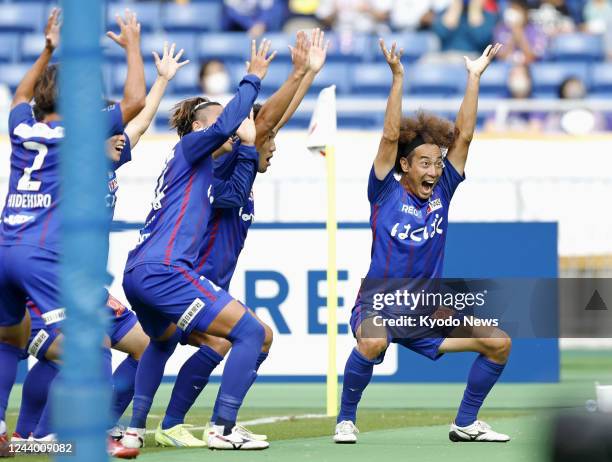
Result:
{"points": [[114, 146], [266, 152], [423, 170]]}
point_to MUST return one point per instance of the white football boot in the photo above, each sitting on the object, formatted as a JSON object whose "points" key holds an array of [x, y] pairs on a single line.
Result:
{"points": [[479, 431], [346, 433], [134, 438], [235, 440]]}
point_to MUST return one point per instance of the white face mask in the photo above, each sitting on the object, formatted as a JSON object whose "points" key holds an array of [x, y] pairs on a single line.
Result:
{"points": [[520, 86], [512, 17], [217, 83]]}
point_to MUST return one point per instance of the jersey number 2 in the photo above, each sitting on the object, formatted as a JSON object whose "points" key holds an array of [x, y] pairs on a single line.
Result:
{"points": [[25, 182]]}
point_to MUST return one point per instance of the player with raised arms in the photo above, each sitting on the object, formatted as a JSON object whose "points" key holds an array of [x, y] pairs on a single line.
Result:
{"points": [[226, 233], [30, 229], [413, 149], [160, 280]]}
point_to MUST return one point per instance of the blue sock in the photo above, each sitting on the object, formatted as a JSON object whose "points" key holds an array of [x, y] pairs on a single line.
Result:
{"points": [[247, 338], [357, 375], [260, 359], [483, 375], [34, 395], [9, 357], [107, 365], [149, 375], [43, 428], [191, 380], [123, 387]]}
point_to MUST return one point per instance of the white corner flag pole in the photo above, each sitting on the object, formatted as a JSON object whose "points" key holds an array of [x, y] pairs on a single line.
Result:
{"points": [[321, 139]]}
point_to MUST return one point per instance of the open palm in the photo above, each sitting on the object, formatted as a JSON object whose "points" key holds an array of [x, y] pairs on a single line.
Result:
{"points": [[168, 64], [318, 50], [478, 66]]}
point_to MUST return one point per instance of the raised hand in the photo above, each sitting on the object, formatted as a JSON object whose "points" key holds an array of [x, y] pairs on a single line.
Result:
{"points": [[247, 131], [259, 62], [300, 53], [168, 64], [52, 30], [393, 57], [129, 35], [478, 66], [318, 50]]}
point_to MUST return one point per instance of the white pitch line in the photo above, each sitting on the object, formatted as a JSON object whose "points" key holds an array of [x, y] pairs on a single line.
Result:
{"points": [[266, 420]]}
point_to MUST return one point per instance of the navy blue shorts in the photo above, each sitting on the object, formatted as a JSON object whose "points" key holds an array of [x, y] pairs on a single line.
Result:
{"points": [[29, 273], [426, 346], [163, 295], [122, 320]]}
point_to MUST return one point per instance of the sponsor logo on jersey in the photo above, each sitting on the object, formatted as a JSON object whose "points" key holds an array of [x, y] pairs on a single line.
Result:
{"points": [[16, 220], [434, 205], [37, 342], [411, 210], [196, 306], [420, 234], [115, 305], [53, 316], [246, 216]]}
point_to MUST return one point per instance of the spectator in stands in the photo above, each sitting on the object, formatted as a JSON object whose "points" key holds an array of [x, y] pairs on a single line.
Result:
{"points": [[365, 16], [215, 81], [598, 16], [554, 17], [254, 16], [466, 26], [524, 41], [416, 14], [578, 121], [519, 88]]}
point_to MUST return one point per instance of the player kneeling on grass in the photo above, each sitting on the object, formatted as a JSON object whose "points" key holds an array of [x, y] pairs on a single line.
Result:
{"points": [[413, 148]]}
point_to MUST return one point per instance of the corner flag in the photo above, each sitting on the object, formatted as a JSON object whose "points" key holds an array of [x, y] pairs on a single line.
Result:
{"points": [[321, 139]]}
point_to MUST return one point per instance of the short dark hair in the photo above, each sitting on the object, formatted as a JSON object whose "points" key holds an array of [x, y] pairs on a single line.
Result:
{"points": [[45, 91]]}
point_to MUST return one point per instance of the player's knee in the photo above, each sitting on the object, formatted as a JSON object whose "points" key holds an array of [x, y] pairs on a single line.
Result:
{"points": [[248, 330], [140, 345], [218, 344], [497, 349], [372, 348]]}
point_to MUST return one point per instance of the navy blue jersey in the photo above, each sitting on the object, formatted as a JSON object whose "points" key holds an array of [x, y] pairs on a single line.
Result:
{"points": [[408, 233], [30, 215], [233, 215], [182, 205]]}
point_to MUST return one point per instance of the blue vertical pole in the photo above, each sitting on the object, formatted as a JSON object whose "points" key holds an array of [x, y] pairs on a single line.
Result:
{"points": [[81, 397]]}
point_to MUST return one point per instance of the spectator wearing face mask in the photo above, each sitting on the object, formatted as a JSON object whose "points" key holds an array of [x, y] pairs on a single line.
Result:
{"points": [[524, 41], [519, 88], [215, 81], [579, 121]]}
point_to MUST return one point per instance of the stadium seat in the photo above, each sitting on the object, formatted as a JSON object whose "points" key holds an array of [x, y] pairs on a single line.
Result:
{"points": [[577, 47], [153, 42], [11, 74], [186, 80], [229, 46], [415, 44], [350, 48], [148, 14], [119, 74], [370, 79], [333, 74], [601, 79], [28, 17], [191, 17], [441, 81], [31, 46], [280, 43], [277, 74], [547, 77], [494, 80], [9, 47]]}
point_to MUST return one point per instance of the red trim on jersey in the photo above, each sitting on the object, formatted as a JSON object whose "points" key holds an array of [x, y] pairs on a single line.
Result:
{"points": [[177, 225], [196, 283], [43, 236], [31, 305], [388, 258], [211, 241]]}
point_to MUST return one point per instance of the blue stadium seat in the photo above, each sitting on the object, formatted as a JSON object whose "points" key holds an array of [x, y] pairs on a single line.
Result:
{"points": [[154, 42], [195, 17], [371, 79], [601, 79], [119, 74], [547, 77], [27, 17], [347, 48], [186, 80], [280, 43], [31, 46], [415, 44], [148, 14], [577, 47], [277, 74], [442, 80], [11, 74], [337, 74], [229, 46], [9, 47], [494, 80]]}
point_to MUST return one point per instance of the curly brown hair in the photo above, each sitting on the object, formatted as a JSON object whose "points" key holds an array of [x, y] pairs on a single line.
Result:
{"points": [[45, 92], [432, 129]]}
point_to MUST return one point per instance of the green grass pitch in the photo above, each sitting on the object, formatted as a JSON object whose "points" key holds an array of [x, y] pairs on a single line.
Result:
{"points": [[403, 421]]}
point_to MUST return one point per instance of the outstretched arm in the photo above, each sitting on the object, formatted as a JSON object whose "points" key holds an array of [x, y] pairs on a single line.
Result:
{"points": [[25, 91], [465, 124], [274, 108], [167, 66], [387, 149], [135, 90], [317, 55]]}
